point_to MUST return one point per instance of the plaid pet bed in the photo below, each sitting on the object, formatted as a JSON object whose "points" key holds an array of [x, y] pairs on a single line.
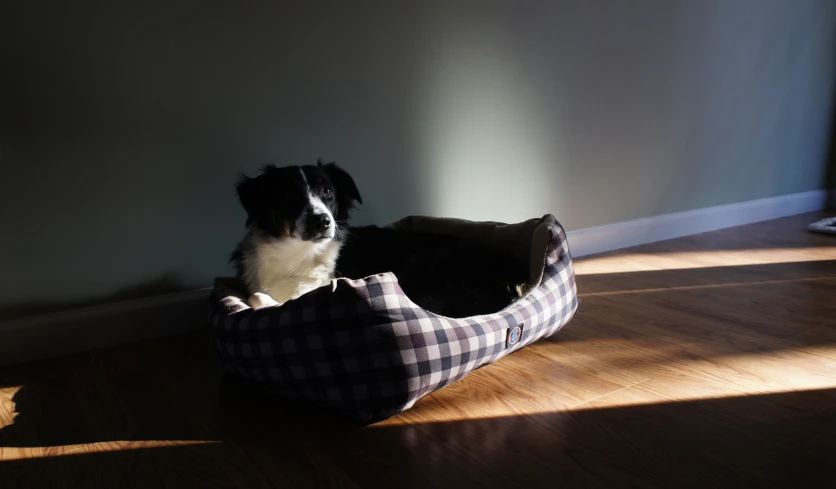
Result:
{"points": [[362, 346]]}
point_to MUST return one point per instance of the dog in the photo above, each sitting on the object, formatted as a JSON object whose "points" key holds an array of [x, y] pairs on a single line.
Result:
{"points": [[298, 240], [437, 272], [297, 218]]}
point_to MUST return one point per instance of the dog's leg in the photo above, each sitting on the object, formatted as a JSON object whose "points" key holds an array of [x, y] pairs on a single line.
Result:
{"points": [[259, 300]]}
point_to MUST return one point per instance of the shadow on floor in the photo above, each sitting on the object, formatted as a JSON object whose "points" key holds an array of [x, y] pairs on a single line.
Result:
{"points": [[706, 278], [775, 440], [785, 233]]}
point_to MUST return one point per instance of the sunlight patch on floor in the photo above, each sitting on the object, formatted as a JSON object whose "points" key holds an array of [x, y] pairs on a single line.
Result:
{"points": [[21, 453], [669, 377], [7, 405], [684, 260]]}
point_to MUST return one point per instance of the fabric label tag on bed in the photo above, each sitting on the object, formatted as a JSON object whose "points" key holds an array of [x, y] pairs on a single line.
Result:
{"points": [[514, 335]]}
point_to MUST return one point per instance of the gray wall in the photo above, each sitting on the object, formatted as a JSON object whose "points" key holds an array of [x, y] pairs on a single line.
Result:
{"points": [[123, 126]]}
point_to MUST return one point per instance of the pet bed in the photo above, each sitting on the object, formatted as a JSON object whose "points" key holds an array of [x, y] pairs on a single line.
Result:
{"points": [[365, 348]]}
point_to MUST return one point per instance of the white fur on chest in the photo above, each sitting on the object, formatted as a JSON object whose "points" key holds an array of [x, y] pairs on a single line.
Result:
{"points": [[284, 269]]}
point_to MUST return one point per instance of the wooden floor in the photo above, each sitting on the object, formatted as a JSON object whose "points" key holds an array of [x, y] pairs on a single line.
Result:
{"points": [[708, 361]]}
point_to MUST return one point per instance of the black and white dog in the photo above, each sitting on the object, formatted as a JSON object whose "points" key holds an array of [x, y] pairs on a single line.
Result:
{"points": [[297, 217], [297, 226]]}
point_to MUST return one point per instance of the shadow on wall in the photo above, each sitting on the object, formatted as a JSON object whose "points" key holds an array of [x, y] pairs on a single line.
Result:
{"points": [[124, 128], [124, 125], [169, 283]]}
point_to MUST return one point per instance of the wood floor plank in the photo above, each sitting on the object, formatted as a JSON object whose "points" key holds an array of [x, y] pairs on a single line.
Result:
{"points": [[705, 361]]}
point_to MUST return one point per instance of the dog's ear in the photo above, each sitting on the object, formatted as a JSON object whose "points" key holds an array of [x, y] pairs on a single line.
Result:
{"points": [[347, 192], [250, 192]]}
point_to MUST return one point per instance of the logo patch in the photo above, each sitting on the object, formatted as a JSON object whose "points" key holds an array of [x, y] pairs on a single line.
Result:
{"points": [[514, 336]]}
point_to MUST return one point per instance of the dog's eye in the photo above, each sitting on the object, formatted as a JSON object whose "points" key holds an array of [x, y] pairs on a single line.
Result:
{"points": [[327, 192]]}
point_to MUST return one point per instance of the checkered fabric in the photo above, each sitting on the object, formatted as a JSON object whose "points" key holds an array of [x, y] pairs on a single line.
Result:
{"points": [[364, 347]]}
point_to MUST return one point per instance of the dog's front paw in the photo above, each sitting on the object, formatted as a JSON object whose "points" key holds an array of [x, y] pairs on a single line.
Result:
{"points": [[260, 300]]}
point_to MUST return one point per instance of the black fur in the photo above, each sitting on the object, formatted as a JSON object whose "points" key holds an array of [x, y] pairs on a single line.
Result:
{"points": [[436, 271], [347, 192]]}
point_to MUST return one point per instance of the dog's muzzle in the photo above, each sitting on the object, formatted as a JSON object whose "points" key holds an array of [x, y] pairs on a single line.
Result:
{"points": [[319, 226]]}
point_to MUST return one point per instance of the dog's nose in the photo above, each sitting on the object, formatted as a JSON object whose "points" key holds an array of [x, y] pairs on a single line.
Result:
{"points": [[320, 222]]}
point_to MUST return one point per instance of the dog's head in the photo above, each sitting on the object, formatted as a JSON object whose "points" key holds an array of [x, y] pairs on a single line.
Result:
{"points": [[311, 202]]}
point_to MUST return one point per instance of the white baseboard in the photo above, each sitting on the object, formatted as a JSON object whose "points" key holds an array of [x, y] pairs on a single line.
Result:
{"points": [[49, 335], [61, 333], [625, 234]]}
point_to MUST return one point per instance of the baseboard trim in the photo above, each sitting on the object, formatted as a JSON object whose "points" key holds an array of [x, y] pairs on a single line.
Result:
{"points": [[625, 234], [50, 335]]}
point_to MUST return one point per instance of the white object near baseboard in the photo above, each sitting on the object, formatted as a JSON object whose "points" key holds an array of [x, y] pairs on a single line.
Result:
{"points": [[625, 234], [74, 331], [827, 226]]}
